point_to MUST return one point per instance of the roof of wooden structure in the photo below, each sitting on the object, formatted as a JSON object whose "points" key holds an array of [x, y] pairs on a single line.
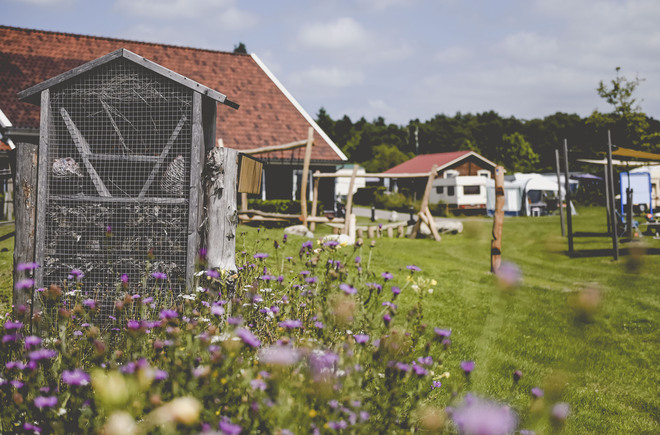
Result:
{"points": [[269, 115], [423, 163]]}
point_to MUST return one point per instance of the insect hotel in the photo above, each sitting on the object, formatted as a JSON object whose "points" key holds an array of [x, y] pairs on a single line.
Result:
{"points": [[126, 154]]}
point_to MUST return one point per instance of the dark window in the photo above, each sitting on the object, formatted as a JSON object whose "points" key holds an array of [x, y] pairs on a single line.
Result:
{"points": [[450, 190], [439, 190], [471, 190]]}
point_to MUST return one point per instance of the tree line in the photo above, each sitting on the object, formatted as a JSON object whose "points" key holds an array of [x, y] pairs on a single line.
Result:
{"points": [[519, 145]]}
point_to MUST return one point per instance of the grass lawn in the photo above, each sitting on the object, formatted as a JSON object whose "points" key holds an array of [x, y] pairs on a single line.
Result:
{"points": [[583, 328]]}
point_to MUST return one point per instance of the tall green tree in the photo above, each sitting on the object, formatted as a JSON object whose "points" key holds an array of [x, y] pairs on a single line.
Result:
{"points": [[517, 154]]}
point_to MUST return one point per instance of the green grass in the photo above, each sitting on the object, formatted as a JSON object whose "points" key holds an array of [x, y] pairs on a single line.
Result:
{"points": [[604, 365]]}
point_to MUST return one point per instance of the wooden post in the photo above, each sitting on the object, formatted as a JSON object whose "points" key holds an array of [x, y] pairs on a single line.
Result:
{"points": [[303, 185], [25, 206], [349, 200], [559, 196], [498, 221], [400, 231], [606, 178], [315, 201], [567, 192], [613, 219], [222, 217], [425, 203], [390, 232], [244, 201], [371, 232]]}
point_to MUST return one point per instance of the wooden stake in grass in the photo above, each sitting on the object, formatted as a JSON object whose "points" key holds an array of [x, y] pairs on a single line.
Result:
{"points": [[498, 221], [303, 187]]}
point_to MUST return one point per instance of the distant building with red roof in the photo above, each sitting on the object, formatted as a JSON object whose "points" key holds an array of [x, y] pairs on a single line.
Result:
{"points": [[268, 115], [456, 163]]}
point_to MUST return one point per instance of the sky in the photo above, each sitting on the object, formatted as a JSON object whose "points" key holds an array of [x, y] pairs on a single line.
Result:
{"points": [[400, 59]]}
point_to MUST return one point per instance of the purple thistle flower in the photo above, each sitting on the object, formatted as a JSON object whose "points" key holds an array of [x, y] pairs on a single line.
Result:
{"points": [[24, 284], [509, 274], [20, 365], [258, 384], [387, 276], [45, 402], [318, 324], [89, 303], [26, 266], [124, 278], [133, 325], [160, 375], [482, 417], [348, 289], [228, 428], [41, 354], [279, 355], [560, 411], [260, 256], [168, 314], [9, 325], [9, 338], [77, 274], [402, 366], [75, 377], [290, 324], [419, 370], [442, 332], [517, 375], [361, 338], [247, 337], [436, 384], [396, 290], [32, 341], [311, 280], [467, 366], [305, 272], [159, 275], [425, 360], [387, 319], [358, 259], [413, 268], [217, 310], [537, 392]]}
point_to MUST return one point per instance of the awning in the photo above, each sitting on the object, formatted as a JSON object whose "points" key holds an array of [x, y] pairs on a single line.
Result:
{"points": [[614, 162], [627, 152]]}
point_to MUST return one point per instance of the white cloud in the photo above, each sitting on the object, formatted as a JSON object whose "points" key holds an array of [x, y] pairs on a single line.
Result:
{"points": [[236, 19], [46, 2], [385, 4], [527, 46], [453, 55], [341, 34], [333, 77], [169, 9]]}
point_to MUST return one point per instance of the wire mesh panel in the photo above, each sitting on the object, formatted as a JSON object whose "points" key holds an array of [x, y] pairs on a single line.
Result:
{"points": [[118, 181]]}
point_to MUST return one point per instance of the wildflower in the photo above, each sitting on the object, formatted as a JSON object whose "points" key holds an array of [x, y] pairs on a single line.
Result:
{"points": [[425, 360], [247, 337], [537, 392], [201, 371], [436, 384], [260, 256], [20, 365], [361, 338], [442, 332], [318, 324], [228, 428], [77, 274], [386, 276], [387, 319], [9, 325], [509, 274], [517, 375], [32, 341], [217, 310], [291, 324], [560, 411], [258, 384], [419, 370], [358, 259], [396, 291], [413, 268], [348, 289], [322, 364], [9, 338], [124, 279], [168, 314], [476, 416], [133, 325], [467, 366], [160, 375], [75, 377], [279, 355], [159, 275], [402, 366], [45, 402], [41, 354], [337, 425], [24, 284], [26, 266]]}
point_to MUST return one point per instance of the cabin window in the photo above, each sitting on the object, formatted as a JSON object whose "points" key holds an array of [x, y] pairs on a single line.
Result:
{"points": [[471, 190], [440, 190], [450, 190], [483, 173]]}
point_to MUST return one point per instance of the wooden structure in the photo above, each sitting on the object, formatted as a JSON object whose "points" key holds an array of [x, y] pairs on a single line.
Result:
{"points": [[498, 221], [121, 152]]}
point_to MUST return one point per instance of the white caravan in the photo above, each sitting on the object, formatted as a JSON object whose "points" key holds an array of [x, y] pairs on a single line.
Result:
{"points": [[465, 193]]}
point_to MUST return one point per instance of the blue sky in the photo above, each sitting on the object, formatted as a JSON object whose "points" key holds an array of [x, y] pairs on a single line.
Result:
{"points": [[400, 59]]}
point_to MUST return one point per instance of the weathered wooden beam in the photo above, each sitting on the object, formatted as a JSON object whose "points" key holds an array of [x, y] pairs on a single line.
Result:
{"points": [[305, 175], [498, 221], [25, 206], [222, 216], [349, 200], [315, 201], [195, 195], [425, 201], [373, 175], [283, 147]]}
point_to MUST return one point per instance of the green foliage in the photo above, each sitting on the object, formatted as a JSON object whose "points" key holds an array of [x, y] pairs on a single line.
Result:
{"points": [[517, 154], [240, 48], [386, 157], [284, 206]]}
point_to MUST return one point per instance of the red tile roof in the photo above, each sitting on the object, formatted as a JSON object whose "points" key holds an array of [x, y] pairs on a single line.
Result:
{"points": [[423, 163], [266, 117]]}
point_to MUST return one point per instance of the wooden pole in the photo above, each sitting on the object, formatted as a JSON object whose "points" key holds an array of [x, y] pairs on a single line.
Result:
{"points": [[567, 192], [425, 201], [613, 219], [222, 217], [315, 200], [606, 178], [498, 221], [244, 201], [349, 199], [305, 175], [283, 147], [559, 196], [25, 206]]}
